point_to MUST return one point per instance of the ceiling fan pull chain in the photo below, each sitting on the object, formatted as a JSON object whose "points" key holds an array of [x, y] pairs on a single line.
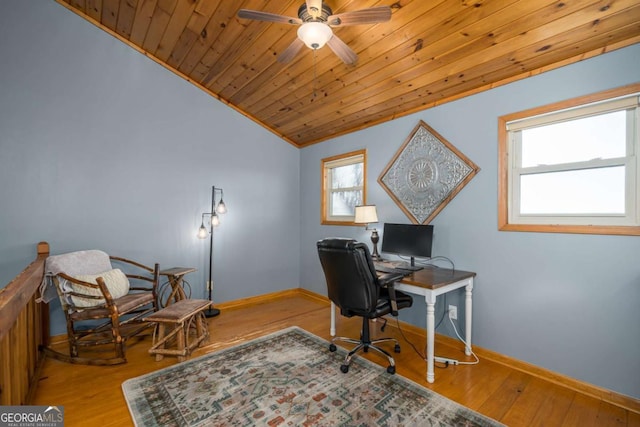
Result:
{"points": [[315, 76]]}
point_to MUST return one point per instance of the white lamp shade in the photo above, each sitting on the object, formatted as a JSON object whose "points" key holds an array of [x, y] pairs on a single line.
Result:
{"points": [[314, 34], [366, 214]]}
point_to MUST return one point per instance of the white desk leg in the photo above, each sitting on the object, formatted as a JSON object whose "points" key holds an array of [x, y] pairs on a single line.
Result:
{"points": [[431, 308], [332, 329], [467, 314]]}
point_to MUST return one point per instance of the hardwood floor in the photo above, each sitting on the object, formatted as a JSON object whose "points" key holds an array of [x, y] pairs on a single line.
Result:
{"points": [[92, 395]]}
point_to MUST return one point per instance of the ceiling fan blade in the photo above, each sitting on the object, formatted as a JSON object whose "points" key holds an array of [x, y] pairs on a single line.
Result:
{"points": [[291, 51], [341, 49], [314, 8], [357, 17], [268, 17]]}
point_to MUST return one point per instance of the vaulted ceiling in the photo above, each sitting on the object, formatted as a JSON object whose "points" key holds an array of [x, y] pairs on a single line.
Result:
{"points": [[430, 52]]}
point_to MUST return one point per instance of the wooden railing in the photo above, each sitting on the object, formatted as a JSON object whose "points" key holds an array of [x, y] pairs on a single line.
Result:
{"points": [[24, 330]]}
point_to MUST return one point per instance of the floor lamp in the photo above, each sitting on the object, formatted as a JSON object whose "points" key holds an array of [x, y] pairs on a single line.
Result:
{"points": [[214, 221]]}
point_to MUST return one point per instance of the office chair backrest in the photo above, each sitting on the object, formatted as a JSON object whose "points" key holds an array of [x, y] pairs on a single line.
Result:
{"points": [[352, 282]]}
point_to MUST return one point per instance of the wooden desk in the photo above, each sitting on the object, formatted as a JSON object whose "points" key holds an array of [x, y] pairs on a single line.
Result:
{"points": [[431, 282]]}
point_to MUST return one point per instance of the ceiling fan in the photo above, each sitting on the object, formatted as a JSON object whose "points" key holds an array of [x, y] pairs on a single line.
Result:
{"points": [[316, 19]]}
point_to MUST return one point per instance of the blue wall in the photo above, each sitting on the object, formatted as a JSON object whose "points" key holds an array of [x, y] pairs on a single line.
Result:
{"points": [[564, 302], [102, 148]]}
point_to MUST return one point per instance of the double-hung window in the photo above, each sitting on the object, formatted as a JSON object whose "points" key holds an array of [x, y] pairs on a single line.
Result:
{"points": [[343, 187], [572, 167]]}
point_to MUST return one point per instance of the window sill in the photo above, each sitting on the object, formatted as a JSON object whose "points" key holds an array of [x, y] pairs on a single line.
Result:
{"points": [[349, 223], [572, 229]]}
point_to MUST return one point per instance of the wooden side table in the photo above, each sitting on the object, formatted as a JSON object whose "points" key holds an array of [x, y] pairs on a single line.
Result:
{"points": [[189, 324], [175, 279]]}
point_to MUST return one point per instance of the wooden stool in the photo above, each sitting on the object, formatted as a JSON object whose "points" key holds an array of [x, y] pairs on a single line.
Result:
{"points": [[185, 315]]}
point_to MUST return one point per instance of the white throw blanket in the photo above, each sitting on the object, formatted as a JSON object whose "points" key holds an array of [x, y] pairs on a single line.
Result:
{"points": [[72, 264]]}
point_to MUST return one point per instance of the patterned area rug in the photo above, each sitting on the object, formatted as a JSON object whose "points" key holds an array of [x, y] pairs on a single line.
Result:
{"points": [[288, 378]]}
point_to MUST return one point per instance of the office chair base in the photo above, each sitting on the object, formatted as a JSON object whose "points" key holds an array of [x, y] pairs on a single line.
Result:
{"points": [[365, 346]]}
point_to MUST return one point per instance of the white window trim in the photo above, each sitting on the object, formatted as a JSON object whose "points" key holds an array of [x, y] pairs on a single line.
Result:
{"points": [[327, 166], [510, 218]]}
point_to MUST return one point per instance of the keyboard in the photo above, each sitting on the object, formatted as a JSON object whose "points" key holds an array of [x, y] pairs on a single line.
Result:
{"points": [[385, 269], [406, 266], [396, 268]]}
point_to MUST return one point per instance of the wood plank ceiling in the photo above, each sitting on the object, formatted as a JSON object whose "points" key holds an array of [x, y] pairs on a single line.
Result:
{"points": [[430, 52]]}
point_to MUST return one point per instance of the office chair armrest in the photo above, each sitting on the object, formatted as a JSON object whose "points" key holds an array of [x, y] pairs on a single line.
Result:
{"points": [[387, 281], [389, 278]]}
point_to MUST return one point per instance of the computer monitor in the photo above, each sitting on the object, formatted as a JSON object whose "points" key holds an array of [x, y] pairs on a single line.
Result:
{"points": [[411, 240]]}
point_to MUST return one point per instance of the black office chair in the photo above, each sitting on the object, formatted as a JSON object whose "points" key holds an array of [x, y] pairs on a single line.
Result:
{"points": [[354, 287]]}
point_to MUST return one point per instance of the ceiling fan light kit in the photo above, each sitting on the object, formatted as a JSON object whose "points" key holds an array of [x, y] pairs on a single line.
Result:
{"points": [[315, 34], [316, 20]]}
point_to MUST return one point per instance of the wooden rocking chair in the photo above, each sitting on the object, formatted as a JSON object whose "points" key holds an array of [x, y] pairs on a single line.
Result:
{"points": [[103, 305]]}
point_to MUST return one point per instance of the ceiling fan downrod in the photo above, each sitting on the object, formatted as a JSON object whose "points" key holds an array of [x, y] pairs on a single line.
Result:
{"points": [[314, 16]]}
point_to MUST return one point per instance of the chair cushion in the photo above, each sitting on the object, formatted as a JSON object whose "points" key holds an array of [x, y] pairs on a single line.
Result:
{"points": [[383, 306], [125, 305], [116, 281]]}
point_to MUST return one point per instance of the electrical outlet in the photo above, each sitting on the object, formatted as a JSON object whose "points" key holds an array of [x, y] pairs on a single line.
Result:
{"points": [[453, 312]]}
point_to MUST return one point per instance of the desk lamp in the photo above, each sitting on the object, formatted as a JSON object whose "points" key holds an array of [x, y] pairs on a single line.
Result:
{"points": [[367, 214], [214, 221]]}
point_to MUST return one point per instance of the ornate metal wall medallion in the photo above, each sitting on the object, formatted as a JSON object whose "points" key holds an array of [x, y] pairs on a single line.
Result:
{"points": [[425, 174]]}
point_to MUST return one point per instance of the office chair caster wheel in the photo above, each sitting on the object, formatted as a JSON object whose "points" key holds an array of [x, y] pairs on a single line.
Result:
{"points": [[391, 369], [397, 348], [344, 368], [332, 347]]}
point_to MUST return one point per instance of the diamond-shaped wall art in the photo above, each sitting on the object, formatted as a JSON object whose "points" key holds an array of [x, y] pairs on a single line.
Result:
{"points": [[425, 174]]}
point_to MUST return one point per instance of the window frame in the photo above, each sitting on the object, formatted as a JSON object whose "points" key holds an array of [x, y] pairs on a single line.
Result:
{"points": [[327, 164], [507, 151]]}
